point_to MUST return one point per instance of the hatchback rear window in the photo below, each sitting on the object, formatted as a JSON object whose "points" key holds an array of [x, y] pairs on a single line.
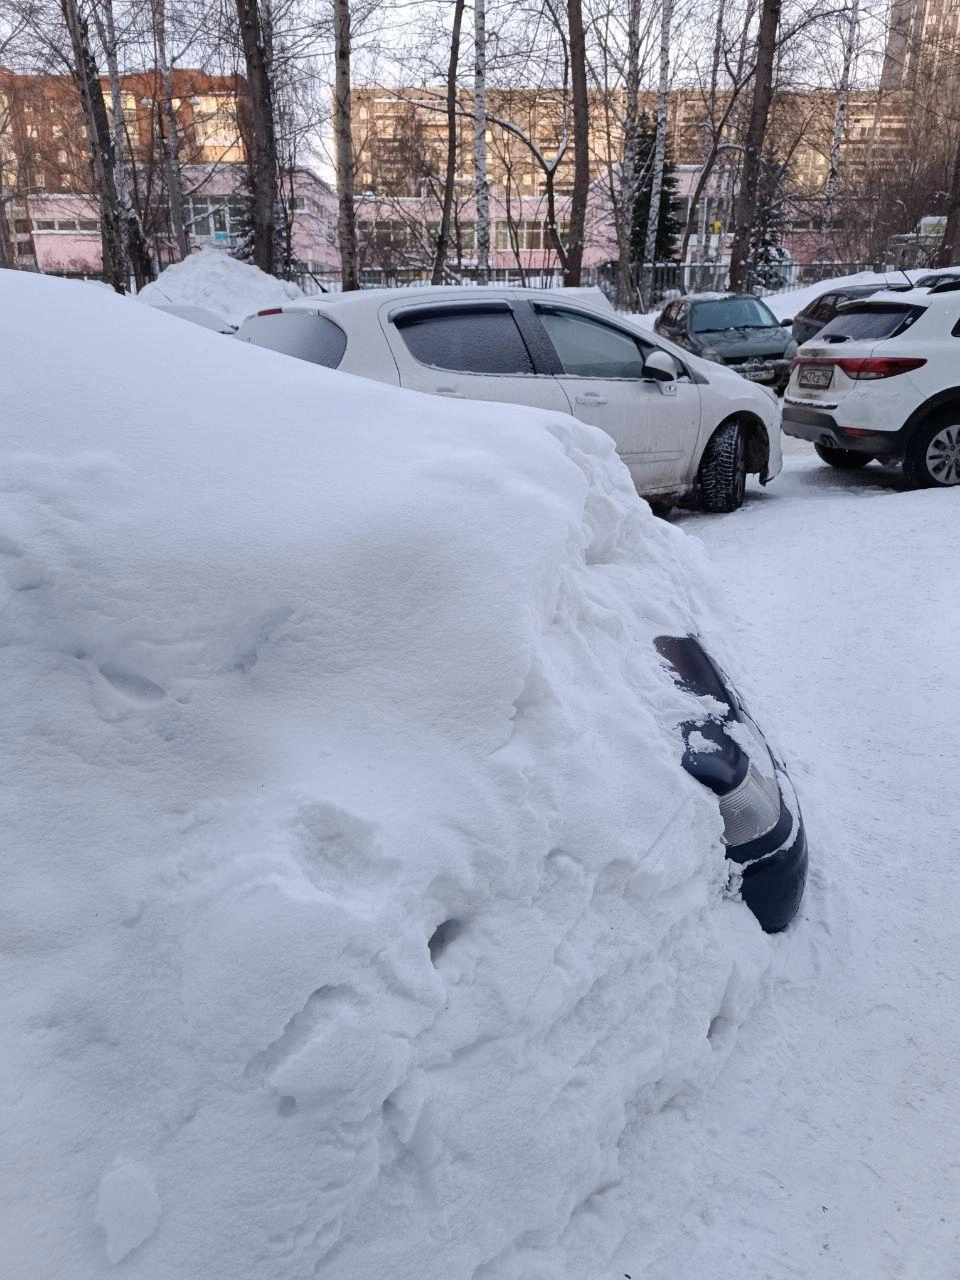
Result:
{"points": [[297, 333], [466, 339], [871, 321]]}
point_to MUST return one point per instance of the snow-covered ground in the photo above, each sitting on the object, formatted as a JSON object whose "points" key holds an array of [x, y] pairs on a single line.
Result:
{"points": [[830, 1144], [357, 919]]}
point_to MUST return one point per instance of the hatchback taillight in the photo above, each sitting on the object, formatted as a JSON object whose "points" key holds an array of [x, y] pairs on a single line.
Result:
{"points": [[871, 368]]}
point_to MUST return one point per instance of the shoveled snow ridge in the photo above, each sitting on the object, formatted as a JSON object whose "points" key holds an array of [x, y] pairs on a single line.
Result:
{"points": [[210, 278], [360, 908]]}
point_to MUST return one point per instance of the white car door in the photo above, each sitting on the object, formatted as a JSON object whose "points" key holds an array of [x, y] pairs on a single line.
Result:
{"points": [[467, 350], [654, 424]]}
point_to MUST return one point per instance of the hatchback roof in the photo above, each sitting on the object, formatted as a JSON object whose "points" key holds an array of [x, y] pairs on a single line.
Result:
{"points": [[373, 298]]}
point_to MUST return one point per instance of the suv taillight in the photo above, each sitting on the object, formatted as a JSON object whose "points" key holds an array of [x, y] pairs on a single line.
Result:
{"points": [[871, 368]]}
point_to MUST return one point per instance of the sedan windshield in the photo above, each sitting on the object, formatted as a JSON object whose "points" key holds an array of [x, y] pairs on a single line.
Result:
{"points": [[732, 313]]}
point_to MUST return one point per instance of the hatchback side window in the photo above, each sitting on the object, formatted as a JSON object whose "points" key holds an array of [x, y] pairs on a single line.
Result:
{"points": [[669, 314], [296, 333], [472, 339], [588, 348], [683, 313]]}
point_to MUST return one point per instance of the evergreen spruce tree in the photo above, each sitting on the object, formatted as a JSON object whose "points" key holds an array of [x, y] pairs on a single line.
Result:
{"points": [[669, 226], [767, 254]]}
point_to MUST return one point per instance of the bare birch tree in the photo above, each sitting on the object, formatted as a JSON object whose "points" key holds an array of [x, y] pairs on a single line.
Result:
{"points": [[660, 146], [343, 140], [453, 136], [482, 228], [170, 140]]}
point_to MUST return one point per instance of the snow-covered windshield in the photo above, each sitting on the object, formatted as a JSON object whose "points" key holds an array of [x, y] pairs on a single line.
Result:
{"points": [[732, 313]]}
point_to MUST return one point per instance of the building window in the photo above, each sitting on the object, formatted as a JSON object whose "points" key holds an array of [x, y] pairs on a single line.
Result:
{"points": [[218, 219], [527, 235]]}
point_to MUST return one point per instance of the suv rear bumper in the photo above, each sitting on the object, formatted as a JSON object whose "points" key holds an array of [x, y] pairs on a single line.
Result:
{"points": [[823, 428]]}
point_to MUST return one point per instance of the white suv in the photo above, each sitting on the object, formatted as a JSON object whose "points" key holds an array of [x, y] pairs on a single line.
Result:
{"points": [[882, 380], [684, 427]]}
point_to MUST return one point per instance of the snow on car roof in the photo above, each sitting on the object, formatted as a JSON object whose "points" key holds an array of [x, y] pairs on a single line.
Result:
{"points": [[358, 884], [372, 299]]}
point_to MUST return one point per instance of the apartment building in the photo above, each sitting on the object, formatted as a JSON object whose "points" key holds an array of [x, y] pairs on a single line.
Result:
{"points": [[923, 38]]}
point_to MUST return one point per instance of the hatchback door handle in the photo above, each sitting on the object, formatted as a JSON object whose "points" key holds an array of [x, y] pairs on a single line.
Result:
{"points": [[591, 397]]}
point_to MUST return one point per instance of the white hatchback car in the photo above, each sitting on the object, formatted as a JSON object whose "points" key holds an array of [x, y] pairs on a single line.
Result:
{"points": [[685, 428]]}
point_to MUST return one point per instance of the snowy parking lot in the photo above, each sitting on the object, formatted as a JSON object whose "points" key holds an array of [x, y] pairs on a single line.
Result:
{"points": [[830, 1144], [364, 922]]}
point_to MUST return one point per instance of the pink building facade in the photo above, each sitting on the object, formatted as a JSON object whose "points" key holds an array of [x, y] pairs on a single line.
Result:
{"points": [[60, 234]]}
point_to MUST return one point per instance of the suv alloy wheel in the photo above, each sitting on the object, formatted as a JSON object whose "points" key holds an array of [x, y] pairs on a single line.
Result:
{"points": [[933, 457]]}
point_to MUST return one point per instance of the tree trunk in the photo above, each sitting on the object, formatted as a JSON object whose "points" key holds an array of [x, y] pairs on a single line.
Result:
{"points": [[753, 146], [134, 248], [660, 148], [949, 251], [102, 157], [553, 232], [344, 145], [263, 143], [452, 135], [711, 143], [581, 144], [170, 137], [482, 232], [626, 287], [839, 126]]}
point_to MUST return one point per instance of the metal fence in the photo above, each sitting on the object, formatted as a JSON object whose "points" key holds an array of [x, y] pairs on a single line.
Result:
{"points": [[663, 280]]}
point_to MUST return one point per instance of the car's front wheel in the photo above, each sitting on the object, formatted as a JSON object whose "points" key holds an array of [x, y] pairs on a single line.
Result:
{"points": [[723, 469], [932, 459], [845, 459]]}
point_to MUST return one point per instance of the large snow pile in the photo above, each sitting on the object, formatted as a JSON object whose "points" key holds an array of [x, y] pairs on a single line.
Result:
{"points": [[211, 278], [355, 907]]}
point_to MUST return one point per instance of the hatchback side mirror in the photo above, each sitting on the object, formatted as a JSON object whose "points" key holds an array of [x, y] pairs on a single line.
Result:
{"points": [[660, 366], [785, 324]]}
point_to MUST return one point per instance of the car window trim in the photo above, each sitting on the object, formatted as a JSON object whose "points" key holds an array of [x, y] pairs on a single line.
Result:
{"points": [[457, 307]]}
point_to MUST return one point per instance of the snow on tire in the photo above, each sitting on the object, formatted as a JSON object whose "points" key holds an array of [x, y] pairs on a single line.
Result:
{"points": [[723, 469]]}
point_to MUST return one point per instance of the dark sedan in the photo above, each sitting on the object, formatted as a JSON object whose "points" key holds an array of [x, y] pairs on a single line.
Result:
{"points": [[726, 752], [824, 307], [735, 329]]}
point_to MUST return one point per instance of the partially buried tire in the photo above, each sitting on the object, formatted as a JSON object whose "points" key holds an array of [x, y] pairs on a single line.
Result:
{"points": [[932, 460], [723, 469], [843, 459]]}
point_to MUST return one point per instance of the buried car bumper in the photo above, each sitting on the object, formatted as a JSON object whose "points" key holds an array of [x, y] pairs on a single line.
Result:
{"points": [[774, 866]]}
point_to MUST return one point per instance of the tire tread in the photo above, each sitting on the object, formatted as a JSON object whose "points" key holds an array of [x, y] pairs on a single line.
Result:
{"points": [[718, 469]]}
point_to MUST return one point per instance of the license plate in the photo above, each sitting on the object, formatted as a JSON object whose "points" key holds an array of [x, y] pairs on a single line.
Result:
{"points": [[759, 373], [812, 376]]}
